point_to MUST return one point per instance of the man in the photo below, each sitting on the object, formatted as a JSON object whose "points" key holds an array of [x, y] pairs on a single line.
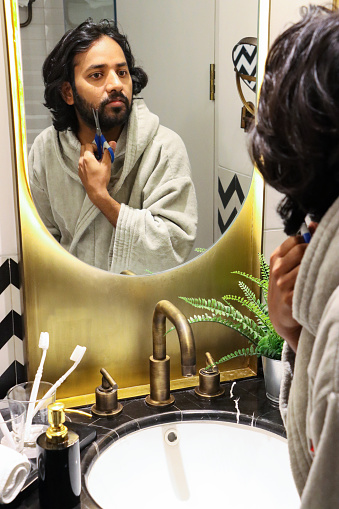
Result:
{"points": [[295, 146], [138, 213]]}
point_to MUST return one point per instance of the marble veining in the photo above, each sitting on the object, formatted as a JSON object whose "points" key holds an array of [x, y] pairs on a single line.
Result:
{"points": [[244, 402]]}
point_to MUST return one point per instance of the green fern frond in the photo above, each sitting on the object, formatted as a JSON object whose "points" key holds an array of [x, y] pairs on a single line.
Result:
{"points": [[264, 268], [212, 305], [248, 330], [236, 315], [257, 281], [271, 346], [260, 306], [243, 352], [263, 318]]}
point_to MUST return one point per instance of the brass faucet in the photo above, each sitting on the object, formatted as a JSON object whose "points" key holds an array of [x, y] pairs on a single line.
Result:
{"points": [[159, 361]]}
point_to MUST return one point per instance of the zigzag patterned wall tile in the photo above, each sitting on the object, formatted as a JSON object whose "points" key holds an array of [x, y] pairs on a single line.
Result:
{"points": [[232, 189], [12, 368], [245, 61], [4, 276], [7, 379]]}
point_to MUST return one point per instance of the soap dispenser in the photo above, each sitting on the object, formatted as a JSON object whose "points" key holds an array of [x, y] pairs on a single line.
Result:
{"points": [[58, 456]]}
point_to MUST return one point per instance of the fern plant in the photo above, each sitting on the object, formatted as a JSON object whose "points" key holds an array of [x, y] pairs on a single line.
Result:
{"points": [[260, 333]]}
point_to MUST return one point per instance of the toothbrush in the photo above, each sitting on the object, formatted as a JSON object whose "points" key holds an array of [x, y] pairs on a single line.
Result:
{"points": [[6, 433], [76, 357], [304, 231], [43, 344]]}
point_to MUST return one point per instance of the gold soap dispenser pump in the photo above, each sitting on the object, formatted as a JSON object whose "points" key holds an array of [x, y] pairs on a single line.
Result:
{"points": [[58, 456]]}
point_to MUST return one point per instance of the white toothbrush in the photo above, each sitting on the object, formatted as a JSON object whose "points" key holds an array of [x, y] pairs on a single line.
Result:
{"points": [[43, 344], [76, 357], [6, 433]]}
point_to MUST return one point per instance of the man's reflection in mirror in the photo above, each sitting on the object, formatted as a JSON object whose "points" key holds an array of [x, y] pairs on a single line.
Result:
{"points": [[137, 213]]}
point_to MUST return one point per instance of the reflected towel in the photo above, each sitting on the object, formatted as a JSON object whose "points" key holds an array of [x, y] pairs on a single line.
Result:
{"points": [[14, 469], [23, 3]]}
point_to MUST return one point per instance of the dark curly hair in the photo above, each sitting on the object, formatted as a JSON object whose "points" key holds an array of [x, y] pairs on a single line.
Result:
{"points": [[295, 143], [59, 67]]}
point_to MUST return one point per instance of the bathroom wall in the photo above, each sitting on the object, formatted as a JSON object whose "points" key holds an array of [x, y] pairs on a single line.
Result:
{"points": [[11, 345], [233, 167]]}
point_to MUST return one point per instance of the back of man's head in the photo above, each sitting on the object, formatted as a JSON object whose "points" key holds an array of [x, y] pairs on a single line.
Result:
{"points": [[295, 143], [58, 67]]}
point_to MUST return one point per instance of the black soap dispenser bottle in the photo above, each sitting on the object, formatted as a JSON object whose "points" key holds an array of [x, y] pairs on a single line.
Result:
{"points": [[58, 456]]}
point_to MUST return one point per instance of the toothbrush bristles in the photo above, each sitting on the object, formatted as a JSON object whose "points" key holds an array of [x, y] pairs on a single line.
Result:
{"points": [[44, 340], [78, 353]]}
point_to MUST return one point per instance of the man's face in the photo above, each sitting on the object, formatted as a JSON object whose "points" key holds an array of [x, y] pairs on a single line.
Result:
{"points": [[102, 81]]}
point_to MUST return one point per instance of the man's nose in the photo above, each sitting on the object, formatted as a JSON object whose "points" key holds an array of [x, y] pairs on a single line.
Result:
{"points": [[113, 82]]}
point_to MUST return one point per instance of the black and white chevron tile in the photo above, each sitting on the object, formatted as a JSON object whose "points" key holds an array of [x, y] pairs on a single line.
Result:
{"points": [[12, 369], [231, 193], [245, 60]]}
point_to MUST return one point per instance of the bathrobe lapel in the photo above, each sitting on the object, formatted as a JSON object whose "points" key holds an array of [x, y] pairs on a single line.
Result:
{"points": [[88, 213]]}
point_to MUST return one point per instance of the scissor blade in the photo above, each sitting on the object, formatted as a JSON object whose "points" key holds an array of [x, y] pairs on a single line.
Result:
{"points": [[96, 119]]}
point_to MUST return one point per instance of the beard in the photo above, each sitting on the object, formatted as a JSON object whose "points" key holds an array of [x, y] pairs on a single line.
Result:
{"points": [[109, 116]]}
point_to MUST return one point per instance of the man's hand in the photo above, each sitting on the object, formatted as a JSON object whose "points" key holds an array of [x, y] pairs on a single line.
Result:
{"points": [[284, 267], [95, 176]]}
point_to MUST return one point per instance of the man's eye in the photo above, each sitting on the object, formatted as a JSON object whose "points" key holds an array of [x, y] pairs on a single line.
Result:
{"points": [[122, 73], [96, 75]]}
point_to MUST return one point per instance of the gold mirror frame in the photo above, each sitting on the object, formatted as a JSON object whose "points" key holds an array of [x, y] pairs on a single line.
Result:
{"points": [[112, 314]]}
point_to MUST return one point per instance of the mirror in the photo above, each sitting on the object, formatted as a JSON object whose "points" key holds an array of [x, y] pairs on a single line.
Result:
{"points": [[112, 314], [189, 36]]}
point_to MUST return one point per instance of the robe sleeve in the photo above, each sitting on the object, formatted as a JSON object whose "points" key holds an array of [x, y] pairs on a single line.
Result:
{"points": [[40, 195]]}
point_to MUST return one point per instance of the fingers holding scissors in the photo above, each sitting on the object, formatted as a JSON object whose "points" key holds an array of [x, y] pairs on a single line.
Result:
{"points": [[94, 174]]}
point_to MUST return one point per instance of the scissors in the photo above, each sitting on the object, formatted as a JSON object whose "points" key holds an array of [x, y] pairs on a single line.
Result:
{"points": [[100, 139]]}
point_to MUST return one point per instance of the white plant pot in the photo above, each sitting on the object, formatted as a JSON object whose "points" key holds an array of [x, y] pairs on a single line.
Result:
{"points": [[272, 375]]}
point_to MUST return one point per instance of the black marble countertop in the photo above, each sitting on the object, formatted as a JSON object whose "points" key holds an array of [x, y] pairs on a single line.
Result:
{"points": [[244, 402]]}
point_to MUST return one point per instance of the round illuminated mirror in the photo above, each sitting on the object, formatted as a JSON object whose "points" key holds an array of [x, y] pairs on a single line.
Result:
{"points": [[185, 47]]}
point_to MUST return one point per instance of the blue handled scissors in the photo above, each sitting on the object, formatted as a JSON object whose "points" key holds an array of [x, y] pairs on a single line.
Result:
{"points": [[100, 139]]}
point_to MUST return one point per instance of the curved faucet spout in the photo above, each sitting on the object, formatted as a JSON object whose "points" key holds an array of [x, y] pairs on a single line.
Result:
{"points": [[165, 309], [160, 362]]}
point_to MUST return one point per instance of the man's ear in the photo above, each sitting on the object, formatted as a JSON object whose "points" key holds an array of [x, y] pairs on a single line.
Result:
{"points": [[67, 93]]}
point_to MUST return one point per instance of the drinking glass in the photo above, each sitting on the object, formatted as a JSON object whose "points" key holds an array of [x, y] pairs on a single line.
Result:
{"points": [[22, 393], [12, 424]]}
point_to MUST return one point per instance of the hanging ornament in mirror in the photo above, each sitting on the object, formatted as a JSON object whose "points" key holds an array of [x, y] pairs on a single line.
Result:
{"points": [[244, 57]]}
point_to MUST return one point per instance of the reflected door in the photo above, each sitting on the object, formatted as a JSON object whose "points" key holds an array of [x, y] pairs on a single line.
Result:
{"points": [[174, 42]]}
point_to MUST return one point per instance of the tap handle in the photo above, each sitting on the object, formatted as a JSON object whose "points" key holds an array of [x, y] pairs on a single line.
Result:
{"points": [[211, 363], [107, 380], [106, 397]]}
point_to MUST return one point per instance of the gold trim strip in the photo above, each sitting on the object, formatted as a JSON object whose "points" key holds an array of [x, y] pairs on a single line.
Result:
{"points": [[143, 390]]}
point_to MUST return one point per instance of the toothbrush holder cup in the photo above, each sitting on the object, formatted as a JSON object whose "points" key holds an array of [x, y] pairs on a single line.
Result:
{"points": [[22, 393], [12, 424]]}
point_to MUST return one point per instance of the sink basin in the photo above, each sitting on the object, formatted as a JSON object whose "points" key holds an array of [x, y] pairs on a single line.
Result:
{"points": [[195, 464]]}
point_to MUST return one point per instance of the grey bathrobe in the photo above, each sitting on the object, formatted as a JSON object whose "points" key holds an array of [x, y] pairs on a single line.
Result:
{"points": [[151, 179], [309, 399]]}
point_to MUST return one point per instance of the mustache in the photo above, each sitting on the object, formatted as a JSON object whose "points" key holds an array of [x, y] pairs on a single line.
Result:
{"points": [[115, 96]]}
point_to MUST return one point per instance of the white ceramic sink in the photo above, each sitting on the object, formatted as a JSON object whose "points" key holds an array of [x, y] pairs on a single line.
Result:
{"points": [[196, 464]]}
